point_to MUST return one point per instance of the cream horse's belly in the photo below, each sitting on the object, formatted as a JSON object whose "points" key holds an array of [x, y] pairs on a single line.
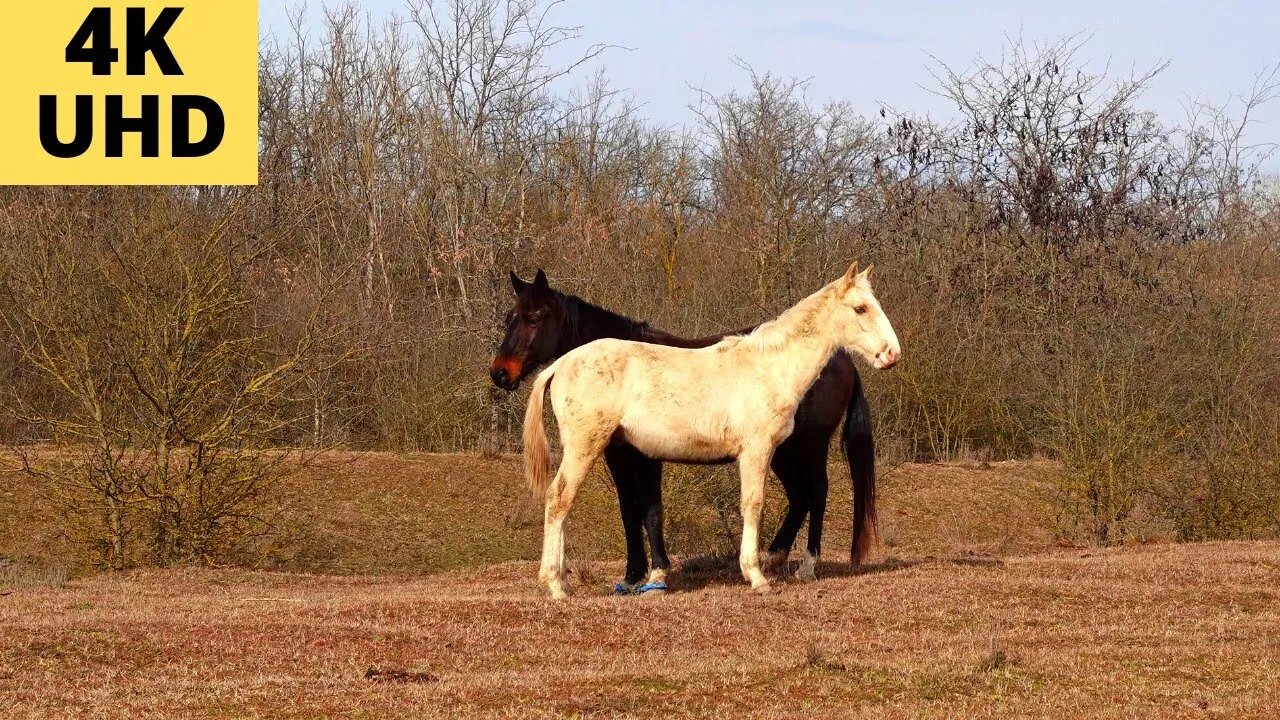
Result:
{"points": [[680, 441]]}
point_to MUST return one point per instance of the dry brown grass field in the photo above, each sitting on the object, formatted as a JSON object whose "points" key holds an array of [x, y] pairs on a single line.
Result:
{"points": [[971, 610]]}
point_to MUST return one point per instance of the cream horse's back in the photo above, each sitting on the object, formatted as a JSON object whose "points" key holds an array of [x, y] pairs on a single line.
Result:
{"points": [[678, 421], [735, 399]]}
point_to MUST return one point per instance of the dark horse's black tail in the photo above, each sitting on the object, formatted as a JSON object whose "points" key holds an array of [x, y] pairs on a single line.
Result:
{"points": [[860, 452]]}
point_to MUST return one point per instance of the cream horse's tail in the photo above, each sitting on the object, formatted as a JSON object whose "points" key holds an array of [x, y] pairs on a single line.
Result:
{"points": [[537, 453]]}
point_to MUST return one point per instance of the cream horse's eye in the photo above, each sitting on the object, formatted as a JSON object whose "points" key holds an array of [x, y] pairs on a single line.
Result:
{"points": [[861, 309]]}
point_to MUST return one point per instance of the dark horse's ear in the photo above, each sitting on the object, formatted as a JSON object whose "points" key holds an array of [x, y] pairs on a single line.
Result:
{"points": [[517, 284], [540, 281]]}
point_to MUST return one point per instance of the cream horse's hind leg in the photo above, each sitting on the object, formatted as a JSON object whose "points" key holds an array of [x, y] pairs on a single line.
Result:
{"points": [[753, 467], [573, 470]]}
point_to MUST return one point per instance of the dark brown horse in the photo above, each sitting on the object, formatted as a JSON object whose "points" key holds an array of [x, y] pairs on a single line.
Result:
{"points": [[546, 323]]}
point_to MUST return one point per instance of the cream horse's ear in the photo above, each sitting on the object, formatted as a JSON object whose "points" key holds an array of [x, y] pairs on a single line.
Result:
{"points": [[850, 277], [866, 272]]}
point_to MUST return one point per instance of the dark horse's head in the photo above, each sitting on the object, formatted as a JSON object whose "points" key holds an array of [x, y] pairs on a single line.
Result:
{"points": [[534, 325]]}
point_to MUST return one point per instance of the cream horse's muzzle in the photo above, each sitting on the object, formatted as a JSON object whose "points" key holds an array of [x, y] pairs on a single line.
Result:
{"points": [[886, 358]]}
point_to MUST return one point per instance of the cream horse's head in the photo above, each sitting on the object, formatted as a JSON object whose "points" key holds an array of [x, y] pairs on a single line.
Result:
{"points": [[861, 323]]}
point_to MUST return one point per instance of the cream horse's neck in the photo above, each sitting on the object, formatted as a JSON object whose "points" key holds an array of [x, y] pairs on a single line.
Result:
{"points": [[801, 341]]}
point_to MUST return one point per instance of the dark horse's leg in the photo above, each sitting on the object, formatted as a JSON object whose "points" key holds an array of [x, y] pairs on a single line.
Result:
{"points": [[784, 465], [815, 470], [801, 465], [623, 466], [649, 488]]}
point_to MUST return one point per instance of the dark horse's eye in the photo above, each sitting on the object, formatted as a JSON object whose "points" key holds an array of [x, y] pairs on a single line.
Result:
{"points": [[861, 309]]}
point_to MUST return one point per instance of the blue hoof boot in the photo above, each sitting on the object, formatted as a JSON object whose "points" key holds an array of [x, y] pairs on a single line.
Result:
{"points": [[652, 587], [624, 589]]}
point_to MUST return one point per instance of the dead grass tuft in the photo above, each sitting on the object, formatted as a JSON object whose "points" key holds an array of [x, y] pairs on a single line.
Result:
{"points": [[997, 659], [818, 659], [397, 675]]}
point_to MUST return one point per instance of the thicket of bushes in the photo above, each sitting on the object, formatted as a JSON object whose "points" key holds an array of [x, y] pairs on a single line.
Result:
{"points": [[1069, 274]]}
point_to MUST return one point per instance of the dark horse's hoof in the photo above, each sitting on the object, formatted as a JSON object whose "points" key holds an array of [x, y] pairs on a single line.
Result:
{"points": [[638, 588]]}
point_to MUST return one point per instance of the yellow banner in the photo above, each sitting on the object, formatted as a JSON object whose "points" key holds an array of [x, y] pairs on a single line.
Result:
{"points": [[129, 92]]}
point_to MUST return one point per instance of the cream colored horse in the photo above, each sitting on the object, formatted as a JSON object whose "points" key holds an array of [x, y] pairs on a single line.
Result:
{"points": [[735, 399]]}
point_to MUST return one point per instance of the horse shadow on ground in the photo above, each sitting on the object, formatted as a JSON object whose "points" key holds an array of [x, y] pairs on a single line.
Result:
{"points": [[703, 571]]}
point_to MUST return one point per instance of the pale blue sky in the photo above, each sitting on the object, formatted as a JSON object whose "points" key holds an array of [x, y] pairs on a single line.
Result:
{"points": [[876, 52]]}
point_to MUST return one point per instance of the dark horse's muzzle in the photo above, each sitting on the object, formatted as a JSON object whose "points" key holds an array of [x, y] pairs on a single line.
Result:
{"points": [[505, 373]]}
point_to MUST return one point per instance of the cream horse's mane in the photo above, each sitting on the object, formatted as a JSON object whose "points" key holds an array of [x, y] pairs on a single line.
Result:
{"points": [[800, 319]]}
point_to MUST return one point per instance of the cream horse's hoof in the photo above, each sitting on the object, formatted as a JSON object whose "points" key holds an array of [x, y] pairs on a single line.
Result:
{"points": [[555, 584], [763, 588]]}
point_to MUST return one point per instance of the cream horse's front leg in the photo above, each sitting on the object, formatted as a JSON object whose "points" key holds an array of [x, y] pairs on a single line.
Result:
{"points": [[753, 467]]}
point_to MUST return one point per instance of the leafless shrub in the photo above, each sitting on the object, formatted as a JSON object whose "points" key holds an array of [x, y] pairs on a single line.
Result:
{"points": [[170, 399]]}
